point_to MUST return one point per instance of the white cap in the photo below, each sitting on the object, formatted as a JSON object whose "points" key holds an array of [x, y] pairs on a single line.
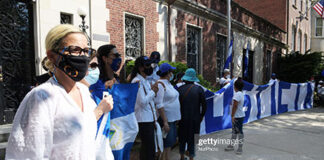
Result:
{"points": [[226, 70]]}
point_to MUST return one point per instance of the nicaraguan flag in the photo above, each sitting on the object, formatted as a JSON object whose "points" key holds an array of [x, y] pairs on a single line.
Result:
{"points": [[117, 130], [229, 56], [246, 61], [123, 123]]}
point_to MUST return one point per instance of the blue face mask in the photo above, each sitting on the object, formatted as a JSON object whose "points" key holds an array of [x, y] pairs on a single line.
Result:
{"points": [[116, 64], [92, 76], [172, 76]]}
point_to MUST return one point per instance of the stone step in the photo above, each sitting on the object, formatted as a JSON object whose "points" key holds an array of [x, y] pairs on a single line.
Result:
{"points": [[4, 135]]}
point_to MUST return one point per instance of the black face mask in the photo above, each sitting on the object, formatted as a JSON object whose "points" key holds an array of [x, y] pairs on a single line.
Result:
{"points": [[148, 71], [75, 67]]}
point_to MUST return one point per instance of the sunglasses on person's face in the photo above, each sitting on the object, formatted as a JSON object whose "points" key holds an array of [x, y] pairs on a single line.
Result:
{"points": [[78, 51]]}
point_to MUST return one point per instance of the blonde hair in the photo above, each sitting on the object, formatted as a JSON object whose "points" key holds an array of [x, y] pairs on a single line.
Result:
{"points": [[54, 39]]}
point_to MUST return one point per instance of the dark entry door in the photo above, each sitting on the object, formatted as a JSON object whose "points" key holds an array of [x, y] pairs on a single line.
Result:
{"points": [[16, 55]]}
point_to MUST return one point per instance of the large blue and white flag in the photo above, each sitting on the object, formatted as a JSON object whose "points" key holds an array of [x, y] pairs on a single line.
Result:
{"points": [[259, 102], [118, 128], [229, 56], [246, 61]]}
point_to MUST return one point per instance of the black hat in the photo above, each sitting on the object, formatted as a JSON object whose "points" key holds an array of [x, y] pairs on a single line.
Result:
{"points": [[143, 60], [155, 57]]}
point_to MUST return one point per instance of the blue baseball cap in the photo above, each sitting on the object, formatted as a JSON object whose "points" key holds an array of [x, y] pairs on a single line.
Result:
{"points": [[190, 75], [166, 67]]}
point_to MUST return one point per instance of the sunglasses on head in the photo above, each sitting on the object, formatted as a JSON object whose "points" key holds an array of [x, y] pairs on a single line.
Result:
{"points": [[78, 51]]}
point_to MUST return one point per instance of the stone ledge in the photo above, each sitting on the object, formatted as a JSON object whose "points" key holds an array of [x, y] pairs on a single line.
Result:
{"points": [[4, 129], [3, 145]]}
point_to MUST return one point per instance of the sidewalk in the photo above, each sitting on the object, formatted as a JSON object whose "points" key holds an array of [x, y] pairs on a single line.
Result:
{"points": [[289, 136]]}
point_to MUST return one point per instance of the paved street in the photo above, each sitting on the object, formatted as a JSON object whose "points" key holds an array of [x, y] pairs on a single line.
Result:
{"points": [[290, 136]]}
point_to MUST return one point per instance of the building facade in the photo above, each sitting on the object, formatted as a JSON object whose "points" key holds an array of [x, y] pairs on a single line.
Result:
{"points": [[192, 32], [292, 16], [317, 43]]}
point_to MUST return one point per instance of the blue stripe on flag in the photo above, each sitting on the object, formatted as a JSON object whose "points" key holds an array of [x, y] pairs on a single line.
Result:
{"points": [[282, 107], [297, 97], [229, 56], [273, 99]]}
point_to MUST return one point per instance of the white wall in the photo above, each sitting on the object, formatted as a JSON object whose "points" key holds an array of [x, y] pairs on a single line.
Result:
{"points": [[317, 43], [240, 43], [47, 15], [162, 29]]}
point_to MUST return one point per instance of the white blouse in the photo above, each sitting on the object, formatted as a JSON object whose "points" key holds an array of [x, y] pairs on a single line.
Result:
{"points": [[50, 125], [144, 101], [168, 98]]}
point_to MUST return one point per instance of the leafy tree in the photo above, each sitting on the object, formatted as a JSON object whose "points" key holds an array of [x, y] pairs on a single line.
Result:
{"points": [[299, 68]]}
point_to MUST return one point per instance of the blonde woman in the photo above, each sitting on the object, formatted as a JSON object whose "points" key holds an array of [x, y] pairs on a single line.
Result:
{"points": [[56, 120]]}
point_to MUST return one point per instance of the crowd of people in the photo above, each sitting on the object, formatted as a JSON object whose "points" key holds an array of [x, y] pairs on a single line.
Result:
{"points": [[58, 118]]}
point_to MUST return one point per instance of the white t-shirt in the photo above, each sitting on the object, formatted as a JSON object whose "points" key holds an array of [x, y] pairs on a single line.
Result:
{"points": [[168, 98], [239, 98], [223, 80], [154, 77], [143, 111], [272, 80], [50, 125]]}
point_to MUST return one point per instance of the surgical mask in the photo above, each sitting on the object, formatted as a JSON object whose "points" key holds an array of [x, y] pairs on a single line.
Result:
{"points": [[148, 71], [228, 76], [116, 64], [154, 65], [75, 67], [93, 76], [172, 76]]}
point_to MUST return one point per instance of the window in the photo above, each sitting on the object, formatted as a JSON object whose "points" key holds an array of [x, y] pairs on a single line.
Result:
{"points": [[268, 65], [319, 27], [134, 37], [249, 78], [306, 8], [301, 5], [293, 36], [221, 54], [294, 2], [193, 47], [66, 18], [305, 43], [298, 41]]}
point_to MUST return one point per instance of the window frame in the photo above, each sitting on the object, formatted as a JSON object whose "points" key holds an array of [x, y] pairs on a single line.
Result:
{"points": [[293, 38], [200, 54], [316, 27], [66, 14], [128, 14]]}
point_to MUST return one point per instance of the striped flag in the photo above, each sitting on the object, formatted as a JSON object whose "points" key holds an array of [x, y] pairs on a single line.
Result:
{"points": [[229, 56], [319, 8]]}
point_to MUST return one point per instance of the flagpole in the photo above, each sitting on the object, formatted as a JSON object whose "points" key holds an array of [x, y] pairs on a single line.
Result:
{"points": [[229, 26]]}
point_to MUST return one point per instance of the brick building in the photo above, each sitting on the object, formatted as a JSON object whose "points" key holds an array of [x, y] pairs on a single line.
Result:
{"points": [[292, 16], [197, 35], [191, 31]]}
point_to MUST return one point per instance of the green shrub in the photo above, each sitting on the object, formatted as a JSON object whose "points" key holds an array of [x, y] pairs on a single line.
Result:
{"points": [[299, 68]]}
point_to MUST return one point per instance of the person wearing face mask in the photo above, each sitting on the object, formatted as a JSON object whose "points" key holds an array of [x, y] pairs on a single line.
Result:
{"points": [[155, 58], [56, 119], [167, 99], [226, 78], [145, 108], [102, 76]]}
